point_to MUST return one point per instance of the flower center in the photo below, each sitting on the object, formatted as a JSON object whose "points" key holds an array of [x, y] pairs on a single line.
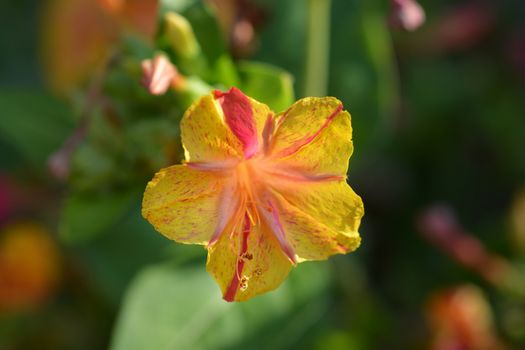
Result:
{"points": [[252, 177], [249, 178]]}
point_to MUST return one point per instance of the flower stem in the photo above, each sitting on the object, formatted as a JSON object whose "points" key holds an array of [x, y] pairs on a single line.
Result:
{"points": [[318, 48]]}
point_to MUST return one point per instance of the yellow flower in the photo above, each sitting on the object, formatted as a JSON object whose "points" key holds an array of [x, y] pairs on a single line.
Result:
{"points": [[29, 267], [261, 191]]}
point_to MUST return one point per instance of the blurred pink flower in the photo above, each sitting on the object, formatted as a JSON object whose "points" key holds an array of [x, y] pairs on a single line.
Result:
{"points": [[463, 26], [457, 28], [461, 318], [439, 225], [406, 14], [239, 21]]}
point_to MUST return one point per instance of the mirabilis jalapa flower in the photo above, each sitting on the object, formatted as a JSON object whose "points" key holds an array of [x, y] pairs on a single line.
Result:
{"points": [[261, 191]]}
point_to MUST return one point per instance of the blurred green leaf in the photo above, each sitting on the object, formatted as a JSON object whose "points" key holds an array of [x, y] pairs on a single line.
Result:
{"points": [[224, 72], [92, 167], [85, 216], [195, 88], [169, 308], [268, 84], [34, 123], [176, 5], [130, 243], [283, 38], [213, 62], [151, 140], [339, 340], [209, 35], [377, 43]]}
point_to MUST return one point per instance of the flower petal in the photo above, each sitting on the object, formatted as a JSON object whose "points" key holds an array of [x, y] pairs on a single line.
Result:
{"points": [[247, 262], [314, 135], [205, 135], [184, 204], [246, 118], [320, 219], [238, 115], [271, 216], [158, 74]]}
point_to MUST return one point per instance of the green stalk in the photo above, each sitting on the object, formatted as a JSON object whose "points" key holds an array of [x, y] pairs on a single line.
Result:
{"points": [[318, 48], [381, 55]]}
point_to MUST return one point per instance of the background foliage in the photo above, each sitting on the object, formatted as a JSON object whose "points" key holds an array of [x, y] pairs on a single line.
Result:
{"points": [[439, 125]]}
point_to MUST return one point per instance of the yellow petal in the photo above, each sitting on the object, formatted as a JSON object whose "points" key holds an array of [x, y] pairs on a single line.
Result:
{"points": [[320, 218], [184, 204], [205, 135], [247, 262], [314, 135]]}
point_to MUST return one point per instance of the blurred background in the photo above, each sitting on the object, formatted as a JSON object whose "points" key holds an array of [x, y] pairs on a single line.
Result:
{"points": [[437, 96]]}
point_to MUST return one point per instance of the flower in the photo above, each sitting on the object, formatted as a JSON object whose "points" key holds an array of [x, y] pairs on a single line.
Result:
{"points": [[30, 266], [180, 35], [261, 191], [406, 14], [461, 318]]}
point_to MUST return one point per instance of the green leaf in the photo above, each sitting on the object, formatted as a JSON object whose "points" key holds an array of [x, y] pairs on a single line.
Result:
{"points": [[268, 84], [175, 5], [34, 123], [194, 88], [381, 58], [85, 216], [210, 37], [213, 63], [169, 308], [92, 167], [113, 258]]}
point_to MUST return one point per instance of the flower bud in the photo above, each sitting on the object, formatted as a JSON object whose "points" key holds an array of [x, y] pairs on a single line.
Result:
{"points": [[180, 34], [158, 74]]}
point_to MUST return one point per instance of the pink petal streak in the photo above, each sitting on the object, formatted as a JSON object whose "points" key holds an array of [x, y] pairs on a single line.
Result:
{"points": [[238, 114]]}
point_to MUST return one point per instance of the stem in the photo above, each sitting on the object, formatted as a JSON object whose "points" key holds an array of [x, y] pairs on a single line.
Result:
{"points": [[59, 163], [318, 48], [381, 56]]}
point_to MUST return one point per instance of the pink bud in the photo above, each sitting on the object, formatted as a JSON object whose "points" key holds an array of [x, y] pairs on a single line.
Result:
{"points": [[406, 14], [158, 74], [59, 162]]}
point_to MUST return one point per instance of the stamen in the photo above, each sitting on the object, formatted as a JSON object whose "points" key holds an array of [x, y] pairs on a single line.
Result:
{"points": [[237, 281]]}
